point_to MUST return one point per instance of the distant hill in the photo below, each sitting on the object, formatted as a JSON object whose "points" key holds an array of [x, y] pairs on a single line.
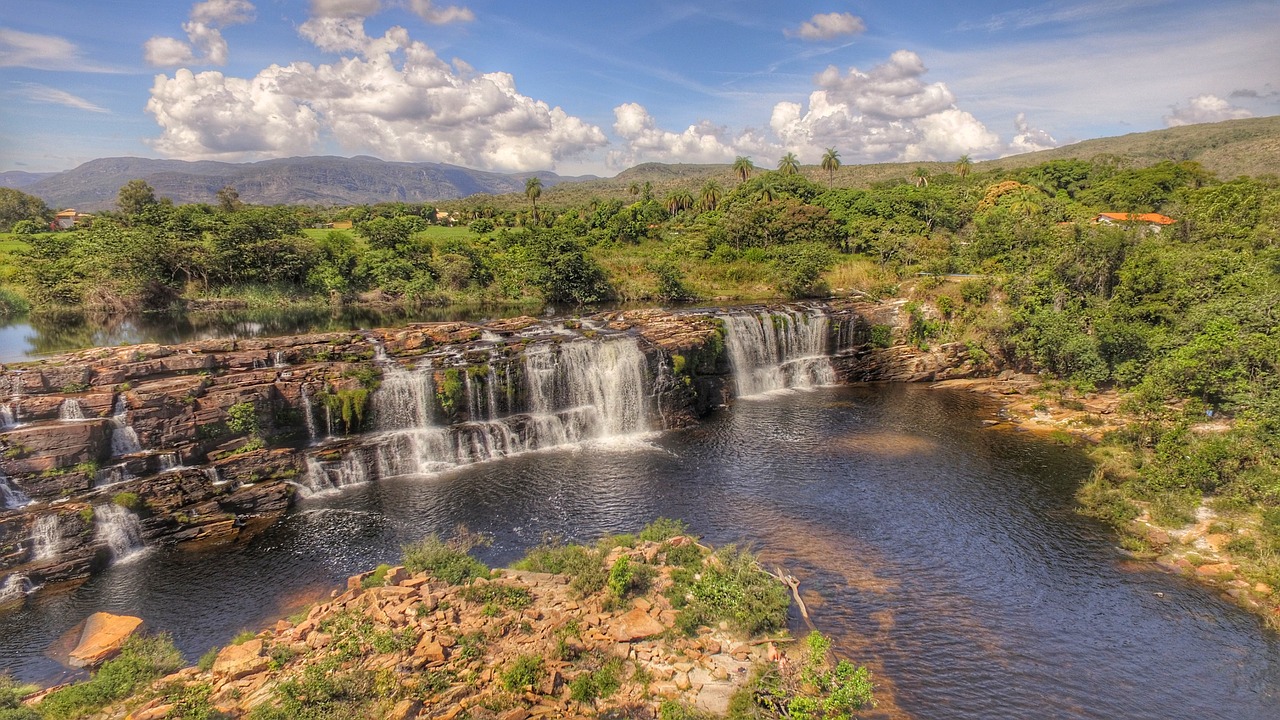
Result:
{"points": [[19, 179], [290, 181]]}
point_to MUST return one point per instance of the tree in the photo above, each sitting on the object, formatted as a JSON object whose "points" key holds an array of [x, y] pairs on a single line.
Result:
{"points": [[920, 176], [710, 196], [831, 163], [634, 188], [963, 166], [16, 205], [789, 164], [135, 197], [646, 191], [742, 167], [229, 199], [533, 191]]}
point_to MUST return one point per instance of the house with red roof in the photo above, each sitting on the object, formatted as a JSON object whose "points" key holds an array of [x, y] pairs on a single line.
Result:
{"points": [[1153, 221]]}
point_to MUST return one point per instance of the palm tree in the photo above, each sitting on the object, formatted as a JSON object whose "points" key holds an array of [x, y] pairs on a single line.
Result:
{"points": [[634, 188], [768, 193], [533, 191], [1025, 203], [831, 163], [710, 196], [921, 176], [963, 166], [672, 203], [789, 164], [742, 167]]}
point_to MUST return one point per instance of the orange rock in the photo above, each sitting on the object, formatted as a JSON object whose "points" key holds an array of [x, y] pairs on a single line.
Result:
{"points": [[237, 661], [1216, 569], [103, 636], [636, 625]]}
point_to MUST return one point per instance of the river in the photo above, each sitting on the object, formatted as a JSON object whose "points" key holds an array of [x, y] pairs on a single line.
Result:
{"points": [[943, 554]]}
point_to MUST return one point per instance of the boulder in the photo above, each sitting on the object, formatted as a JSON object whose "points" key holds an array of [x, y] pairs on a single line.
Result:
{"points": [[237, 661], [103, 636], [636, 625]]}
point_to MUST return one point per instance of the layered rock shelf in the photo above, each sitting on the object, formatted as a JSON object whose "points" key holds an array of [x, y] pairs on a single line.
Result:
{"points": [[206, 442]]}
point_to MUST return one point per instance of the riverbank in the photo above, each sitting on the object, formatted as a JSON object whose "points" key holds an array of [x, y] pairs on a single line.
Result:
{"points": [[651, 625], [1217, 542]]}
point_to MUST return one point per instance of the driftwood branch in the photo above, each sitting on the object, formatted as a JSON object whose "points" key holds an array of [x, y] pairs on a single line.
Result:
{"points": [[791, 582]]}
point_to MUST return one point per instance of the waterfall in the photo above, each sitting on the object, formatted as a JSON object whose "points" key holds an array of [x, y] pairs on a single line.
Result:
{"points": [[119, 529], [46, 538], [572, 392], [124, 440], [169, 462], [772, 351], [15, 586], [213, 476], [322, 477], [309, 416], [11, 498], [278, 359], [70, 410], [7, 417], [111, 475]]}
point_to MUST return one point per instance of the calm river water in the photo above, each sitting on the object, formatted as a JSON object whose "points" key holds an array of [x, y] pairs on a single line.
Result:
{"points": [[944, 555]]}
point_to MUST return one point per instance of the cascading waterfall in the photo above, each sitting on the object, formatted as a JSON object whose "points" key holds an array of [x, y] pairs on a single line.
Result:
{"points": [[14, 587], [46, 538], [119, 529], [309, 416], [169, 462], [11, 498], [777, 350], [111, 475], [322, 477], [7, 419], [71, 411], [573, 392], [124, 440]]}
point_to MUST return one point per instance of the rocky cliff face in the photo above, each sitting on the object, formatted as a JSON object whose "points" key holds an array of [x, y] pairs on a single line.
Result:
{"points": [[110, 449]]}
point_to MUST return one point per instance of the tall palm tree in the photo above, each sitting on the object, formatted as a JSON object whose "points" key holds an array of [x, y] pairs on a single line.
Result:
{"points": [[1025, 203], [789, 164], [672, 203], [533, 191], [634, 188], [742, 167], [963, 166], [768, 193], [921, 176], [710, 196], [831, 163]]}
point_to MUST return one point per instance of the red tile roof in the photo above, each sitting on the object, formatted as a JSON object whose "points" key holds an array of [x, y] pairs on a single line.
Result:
{"points": [[1155, 218]]}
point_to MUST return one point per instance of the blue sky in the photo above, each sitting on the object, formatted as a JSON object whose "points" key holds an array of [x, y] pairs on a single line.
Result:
{"points": [[582, 86]]}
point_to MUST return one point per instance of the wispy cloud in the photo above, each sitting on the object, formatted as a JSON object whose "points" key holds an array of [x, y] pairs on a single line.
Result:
{"points": [[827, 26], [34, 92], [43, 52], [1056, 14]]}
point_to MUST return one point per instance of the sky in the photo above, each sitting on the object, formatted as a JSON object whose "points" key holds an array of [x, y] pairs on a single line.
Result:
{"points": [[591, 86]]}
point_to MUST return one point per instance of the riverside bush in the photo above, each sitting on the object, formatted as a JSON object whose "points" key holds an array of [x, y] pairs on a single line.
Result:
{"points": [[142, 660], [446, 560], [730, 587]]}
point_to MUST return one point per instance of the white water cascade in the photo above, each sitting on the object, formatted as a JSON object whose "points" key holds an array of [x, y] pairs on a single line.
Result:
{"points": [[71, 411], [119, 529], [557, 394], [46, 538], [11, 498], [15, 587], [776, 350], [124, 440], [7, 417], [324, 477]]}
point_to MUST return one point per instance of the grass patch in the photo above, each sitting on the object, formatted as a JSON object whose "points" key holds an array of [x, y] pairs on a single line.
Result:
{"points": [[584, 566], [142, 660], [731, 587], [445, 560], [507, 596], [526, 671]]}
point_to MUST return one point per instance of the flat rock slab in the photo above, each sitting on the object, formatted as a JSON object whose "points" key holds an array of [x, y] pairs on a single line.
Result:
{"points": [[103, 636], [636, 625]]}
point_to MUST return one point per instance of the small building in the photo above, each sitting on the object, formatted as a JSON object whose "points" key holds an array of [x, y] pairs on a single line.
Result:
{"points": [[68, 219], [342, 224], [1152, 221]]}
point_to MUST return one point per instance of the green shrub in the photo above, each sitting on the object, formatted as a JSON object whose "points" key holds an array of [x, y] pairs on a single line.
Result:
{"points": [[526, 671], [596, 684], [663, 529], [447, 561], [378, 578], [508, 596], [11, 694], [242, 418], [143, 659], [881, 336], [731, 588], [127, 500], [585, 566]]}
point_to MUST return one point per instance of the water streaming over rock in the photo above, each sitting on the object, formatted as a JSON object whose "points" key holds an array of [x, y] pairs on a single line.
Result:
{"points": [[124, 440], [309, 416], [11, 497], [71, 411], [119, 529], [322, 476], [7, 418], [46, 538], [111, 475], [169, 462], [777, 350], [555, 394], [15, 587]]}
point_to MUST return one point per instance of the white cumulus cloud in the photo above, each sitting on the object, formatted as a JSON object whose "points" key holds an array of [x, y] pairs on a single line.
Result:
{"points": [[415, 108], [644, 141], [205, 44], [1029, 139], [1204, 109], [828, 26], [886, 113]]}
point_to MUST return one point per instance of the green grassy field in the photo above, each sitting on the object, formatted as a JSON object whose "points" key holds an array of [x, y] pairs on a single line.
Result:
{"points": [[10, 244]]}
